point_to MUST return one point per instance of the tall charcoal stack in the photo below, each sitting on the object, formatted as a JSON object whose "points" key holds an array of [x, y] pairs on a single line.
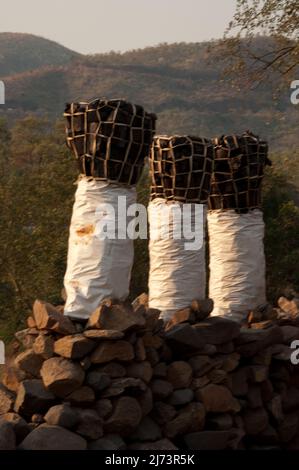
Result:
{"points": [[181, 168], [110, 140], [236, 226], [123, 381]]}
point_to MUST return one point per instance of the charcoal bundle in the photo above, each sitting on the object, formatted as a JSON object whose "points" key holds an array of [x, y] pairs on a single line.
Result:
{"points": [[109, 138], [181, 168], [238, 172], [236, 226]]}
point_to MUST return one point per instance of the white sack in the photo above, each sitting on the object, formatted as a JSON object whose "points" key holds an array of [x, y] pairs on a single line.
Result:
{"points": [[237, 262], [96, 268], [177, 275]]}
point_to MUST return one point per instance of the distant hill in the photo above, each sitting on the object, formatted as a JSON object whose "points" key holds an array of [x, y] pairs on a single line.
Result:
{"points": [[24, 52], [180, 82]]}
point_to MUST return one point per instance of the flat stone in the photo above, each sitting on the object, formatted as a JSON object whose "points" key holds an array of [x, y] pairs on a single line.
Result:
{"points": [[47, 437], [43, 346], [251, 341], [37, 418], [199, 382], [181, 397], [12, 377], [217, 399], [140, 352], [185, 315], [7, 436], [113, 369], [104, 407], [29, 362], [97, 380], [83, 396], [147, 430], [209, 440], [163, 412], [19, 425], [190, 418], [62, 415], [47, 317], [115, 317], [140, 370], [6, 400], [290, 333], [274, 407], [26, 337], [90, 424], [129, 385], [32, 395], [217, 330], [125, 417], [162, 444], [179, 374], [220, 422], [74, 346], [141, 300], [109, 442], [85, 363], [183, 338], [112, 350], [152, 356], [99, 335], [201, 365], [152, 341], [161, 389], [218, 376], [145, 401], [290, 307], [202, 308], [62, 376], [255, 420]]}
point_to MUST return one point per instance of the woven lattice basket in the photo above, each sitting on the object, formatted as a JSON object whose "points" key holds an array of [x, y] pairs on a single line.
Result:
{"points": [[238, 172], [181, 168], [110, 139]]}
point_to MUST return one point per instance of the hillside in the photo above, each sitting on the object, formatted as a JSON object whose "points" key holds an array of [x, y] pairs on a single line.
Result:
{"points": [[180, 82], [22, 52]]}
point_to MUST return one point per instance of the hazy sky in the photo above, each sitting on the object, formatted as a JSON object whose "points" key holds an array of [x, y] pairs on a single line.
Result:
{"points": [[102, 25]]}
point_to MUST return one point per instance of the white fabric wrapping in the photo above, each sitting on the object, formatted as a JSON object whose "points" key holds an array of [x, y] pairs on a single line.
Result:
{"points": [[96, 268], [237, 262], [177, 275]]}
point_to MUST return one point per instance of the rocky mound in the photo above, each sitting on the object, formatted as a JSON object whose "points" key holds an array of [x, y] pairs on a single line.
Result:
{"points": [[126, 381]]}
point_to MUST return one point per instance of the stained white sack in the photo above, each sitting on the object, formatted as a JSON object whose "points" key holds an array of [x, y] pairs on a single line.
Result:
{"points": [[177, 275], [237, 262], [97, 268]]}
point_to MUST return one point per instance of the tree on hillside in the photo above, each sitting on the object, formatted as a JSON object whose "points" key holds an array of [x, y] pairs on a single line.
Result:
{"points": [[277, 19]]}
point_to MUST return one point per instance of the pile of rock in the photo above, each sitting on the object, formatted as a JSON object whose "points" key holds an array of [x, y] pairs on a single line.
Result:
{"points": [[126, 381]]}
